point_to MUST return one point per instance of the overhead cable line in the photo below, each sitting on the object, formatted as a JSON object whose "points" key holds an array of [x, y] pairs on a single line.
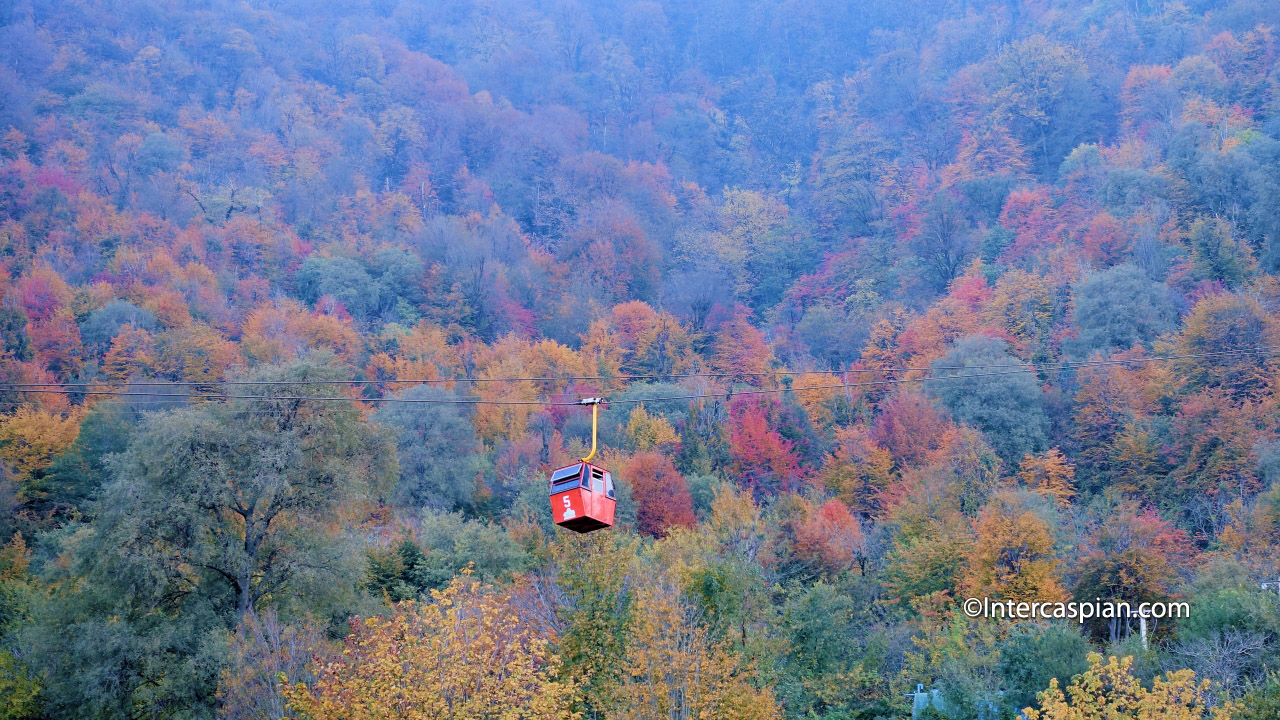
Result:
{"points": [[1031, 367], [559, 403]]}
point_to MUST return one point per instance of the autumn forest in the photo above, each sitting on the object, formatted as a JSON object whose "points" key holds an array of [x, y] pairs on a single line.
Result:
{"points": [[892, 304]]}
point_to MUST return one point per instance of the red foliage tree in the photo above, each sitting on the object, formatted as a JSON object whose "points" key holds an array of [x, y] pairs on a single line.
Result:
{"points": [[41, 293], [910, 427], [1030, 215], [763, 460], [1211, 450], [661, 494], [972, 288], [1130, 527]]}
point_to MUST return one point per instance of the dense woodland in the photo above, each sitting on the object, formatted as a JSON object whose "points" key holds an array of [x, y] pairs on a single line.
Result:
{"points": [[1072, 206]]}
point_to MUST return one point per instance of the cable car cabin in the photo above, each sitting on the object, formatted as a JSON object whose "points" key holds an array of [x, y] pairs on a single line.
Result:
{"points": [[582, 497]]}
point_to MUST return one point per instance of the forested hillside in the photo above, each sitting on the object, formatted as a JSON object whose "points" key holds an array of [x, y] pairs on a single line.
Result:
{"points": [[895, 304]]}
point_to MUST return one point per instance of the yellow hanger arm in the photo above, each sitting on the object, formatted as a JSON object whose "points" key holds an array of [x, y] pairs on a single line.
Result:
{"points": [[595, 416]]}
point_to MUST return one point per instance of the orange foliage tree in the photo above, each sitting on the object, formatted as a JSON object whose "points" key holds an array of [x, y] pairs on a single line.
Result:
{"points": [[1049, 474], [830, 538], [858, 470], [741, 351], [132, 353], [1012, 556], [195, 353], [423, 352], [57, 344]]}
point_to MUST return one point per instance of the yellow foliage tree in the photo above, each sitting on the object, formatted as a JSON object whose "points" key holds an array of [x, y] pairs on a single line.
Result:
{"points": [[195, 353], [819, 397], [602, 353], [132, 353], [31, 438], [674, 671], [422, 352], [1023, 307], [739, 526], [465, 656], [1049, 474], [663, 347], [1110, 692], [512, 356], [15, 558], [649, 432], [1222, 323]]}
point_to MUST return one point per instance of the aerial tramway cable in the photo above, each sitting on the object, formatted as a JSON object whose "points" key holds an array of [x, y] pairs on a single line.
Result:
{"points": [[1069, 364], [1012, 369]]}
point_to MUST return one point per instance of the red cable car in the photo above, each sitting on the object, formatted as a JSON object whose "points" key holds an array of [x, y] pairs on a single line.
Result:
{"points": [[582, 497]]}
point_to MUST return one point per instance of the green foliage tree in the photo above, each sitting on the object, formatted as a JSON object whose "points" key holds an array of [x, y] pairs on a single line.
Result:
{"points": [[847, 176], [962, 657], [1229, 636], [19, 690], [1119, 308], [13, 329], [1033, 655], [212, 512], [427, 428], [443, 545], [1008, 409], [830, 665], [341, 278], [239, 495], [1217, 255], [1262, 701], [593, 580], [946, 239], [102, 324], [70, 483]]}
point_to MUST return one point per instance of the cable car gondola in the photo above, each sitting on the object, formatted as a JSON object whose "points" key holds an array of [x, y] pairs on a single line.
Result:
{"points": [[582, 497]]}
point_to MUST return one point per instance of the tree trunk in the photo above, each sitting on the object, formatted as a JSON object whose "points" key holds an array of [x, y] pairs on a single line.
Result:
{"points": [[252, 541]]}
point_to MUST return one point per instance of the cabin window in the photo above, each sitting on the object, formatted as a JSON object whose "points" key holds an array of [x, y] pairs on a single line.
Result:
{"points": [[565, 478]]}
